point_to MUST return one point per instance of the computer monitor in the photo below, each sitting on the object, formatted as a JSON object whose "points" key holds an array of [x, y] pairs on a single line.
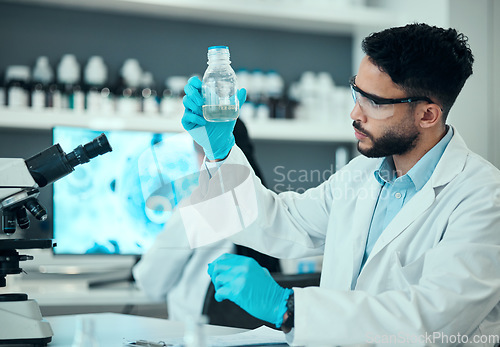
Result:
{"points": [[119, 202]]}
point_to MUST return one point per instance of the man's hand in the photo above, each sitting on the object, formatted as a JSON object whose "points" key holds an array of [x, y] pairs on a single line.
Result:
{"points": [[250, 286], [216, 138]]}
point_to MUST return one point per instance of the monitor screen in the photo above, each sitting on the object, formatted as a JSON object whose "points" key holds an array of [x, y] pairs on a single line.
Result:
{"points": [[118, 202]]}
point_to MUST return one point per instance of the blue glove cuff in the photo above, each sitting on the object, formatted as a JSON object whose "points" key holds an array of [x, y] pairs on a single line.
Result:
{"points": [[282, 307]]}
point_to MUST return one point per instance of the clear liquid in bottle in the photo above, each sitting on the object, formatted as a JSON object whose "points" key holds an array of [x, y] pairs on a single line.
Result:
{"points": [[217, 113]]}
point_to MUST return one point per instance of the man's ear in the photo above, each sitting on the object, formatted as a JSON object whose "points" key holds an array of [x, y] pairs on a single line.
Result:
{"points": [[429, 115]]}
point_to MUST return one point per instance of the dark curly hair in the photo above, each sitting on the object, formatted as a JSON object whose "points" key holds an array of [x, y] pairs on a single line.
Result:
{"points": [[423, 60]]}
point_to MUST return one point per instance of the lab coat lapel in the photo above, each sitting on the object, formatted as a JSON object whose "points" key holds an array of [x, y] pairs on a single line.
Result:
{"points": [[363, 213], [408, 214], [451, 164]]}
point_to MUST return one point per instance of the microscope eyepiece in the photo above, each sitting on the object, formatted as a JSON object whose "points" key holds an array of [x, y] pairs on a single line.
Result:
{"points": [[52, 164], [83, 153]]}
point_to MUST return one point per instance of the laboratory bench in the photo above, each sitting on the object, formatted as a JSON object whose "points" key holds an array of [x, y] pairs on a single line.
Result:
{"points": [[59, 294], [113, 330]]}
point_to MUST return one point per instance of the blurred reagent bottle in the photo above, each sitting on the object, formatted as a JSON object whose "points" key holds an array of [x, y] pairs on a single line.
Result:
{"points": [[43, 76]]}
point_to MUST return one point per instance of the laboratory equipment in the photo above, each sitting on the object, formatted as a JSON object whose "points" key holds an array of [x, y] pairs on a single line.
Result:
{"points": [[68, 78], [127, 92], [149, 95], [17, 78], [20, 317], [121, 203], [42, 78], [98, 97], [171, 101], [219, 87]]}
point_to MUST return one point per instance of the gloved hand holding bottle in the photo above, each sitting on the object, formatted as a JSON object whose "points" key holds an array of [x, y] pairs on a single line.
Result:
{"points": [[212, 105], [243, 281], [216, 138]]}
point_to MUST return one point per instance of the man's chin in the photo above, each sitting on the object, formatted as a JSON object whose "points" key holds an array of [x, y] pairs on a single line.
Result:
{"points": [[367, 150]]}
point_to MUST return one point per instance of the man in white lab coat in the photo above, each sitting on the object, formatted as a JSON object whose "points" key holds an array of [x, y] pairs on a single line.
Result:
{"points": [[410, 230]]}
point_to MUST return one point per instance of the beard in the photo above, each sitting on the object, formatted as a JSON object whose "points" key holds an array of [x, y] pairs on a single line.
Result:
{"points": [[394, 141]]}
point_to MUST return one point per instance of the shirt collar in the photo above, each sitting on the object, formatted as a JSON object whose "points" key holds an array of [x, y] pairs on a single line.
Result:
{"points": [[420, 173]]}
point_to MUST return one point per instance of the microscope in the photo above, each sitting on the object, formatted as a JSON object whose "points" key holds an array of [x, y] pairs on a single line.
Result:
{"points": [[21, 321]]}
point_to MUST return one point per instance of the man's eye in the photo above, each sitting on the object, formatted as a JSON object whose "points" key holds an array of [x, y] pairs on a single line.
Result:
{"points": [[372, 103]]}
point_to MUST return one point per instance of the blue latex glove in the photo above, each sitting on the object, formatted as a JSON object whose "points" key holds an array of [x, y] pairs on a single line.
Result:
{"points": [[250, 286], [216, 138]]}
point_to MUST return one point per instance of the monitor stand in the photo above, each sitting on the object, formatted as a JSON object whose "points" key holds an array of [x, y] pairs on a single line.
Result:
{"points": [[115, 277]]}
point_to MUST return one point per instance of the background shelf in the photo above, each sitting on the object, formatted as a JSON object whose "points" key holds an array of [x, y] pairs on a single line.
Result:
{"points": [[296, 15], [272, 129]]}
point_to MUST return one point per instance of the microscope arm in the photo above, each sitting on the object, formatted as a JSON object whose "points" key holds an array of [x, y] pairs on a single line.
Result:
{"points": [[15, 177]]}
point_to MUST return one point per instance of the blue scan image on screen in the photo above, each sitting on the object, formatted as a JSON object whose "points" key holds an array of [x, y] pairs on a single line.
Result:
{"points": [[117, 203]]}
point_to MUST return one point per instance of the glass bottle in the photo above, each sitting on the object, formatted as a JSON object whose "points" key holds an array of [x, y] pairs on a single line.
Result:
{"points": [[98, 98], [128, 101], [68, 77], [219, 87], [42, 77], [17, 79]]}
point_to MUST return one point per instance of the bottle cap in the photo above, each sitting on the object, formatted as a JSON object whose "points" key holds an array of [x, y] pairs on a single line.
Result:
{"points": [[42, 72], [68, 70], [218, 47], [17, 72], [96, 72], [218, 52], [131, 72]]}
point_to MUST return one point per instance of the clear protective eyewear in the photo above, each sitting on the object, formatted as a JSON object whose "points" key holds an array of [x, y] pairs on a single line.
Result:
{"points": [[376, 107]]}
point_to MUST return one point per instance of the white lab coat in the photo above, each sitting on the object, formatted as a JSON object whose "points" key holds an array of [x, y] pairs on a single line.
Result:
{"points": [[170, 270], [434, 270]]}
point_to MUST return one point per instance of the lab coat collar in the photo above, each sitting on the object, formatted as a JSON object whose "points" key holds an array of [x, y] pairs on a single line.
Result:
{"points": [[452, 162], [449, 166]]}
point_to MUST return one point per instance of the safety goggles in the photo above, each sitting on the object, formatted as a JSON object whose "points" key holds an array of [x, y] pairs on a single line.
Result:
{"points": [[376, 107]]}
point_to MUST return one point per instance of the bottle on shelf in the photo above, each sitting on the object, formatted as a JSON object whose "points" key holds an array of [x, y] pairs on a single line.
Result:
{"points": [[68, 78], [325, 89], [149, 95], [17, 78], [219, 87], [43, 76], [276, 95], [98, 97], [171, 100], [258, 96], [247, 110], [127, 93]]}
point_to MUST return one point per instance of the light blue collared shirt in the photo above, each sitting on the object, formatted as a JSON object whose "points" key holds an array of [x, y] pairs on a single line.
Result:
{"points": [[396, 191]]}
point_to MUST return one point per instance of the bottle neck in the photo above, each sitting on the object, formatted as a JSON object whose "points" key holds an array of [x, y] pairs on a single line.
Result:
{"points": [[218, 61]]}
